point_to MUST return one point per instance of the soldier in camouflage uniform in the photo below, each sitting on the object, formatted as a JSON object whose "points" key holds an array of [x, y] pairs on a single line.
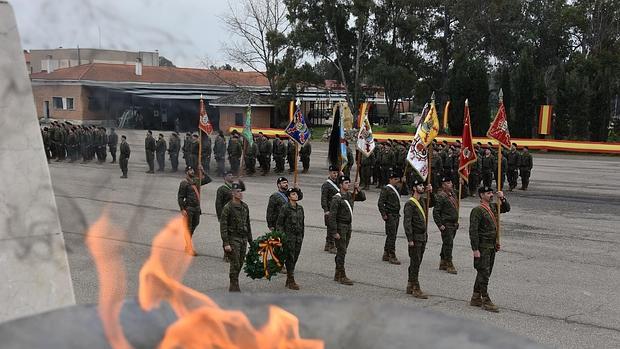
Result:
{"points": [[414, 223], [446, 217], [389, 207], [222, 197], [387, 160], [291, 154], [72, 143], [236, 233], [340, 219], [304, 155], [328, 190], [350, 161], [149, 147], [474, 174], [264, 149], [219, 151], [174, 146], [279, 152], [188, 197], [291, 222], [250, 158], [234, 154], [160, 152], [376, 169], [513, 167], [525, 167], [186, 149], [112, 144], [487, 163], [123, 159], [206, 152], [436, 168], [484, 244], [84, 144], [277, 200], [366, 169]]}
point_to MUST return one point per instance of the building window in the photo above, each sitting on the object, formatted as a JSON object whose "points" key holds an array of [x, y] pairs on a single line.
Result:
{"points": [[70, 104], [57, 101], [238, 119]]}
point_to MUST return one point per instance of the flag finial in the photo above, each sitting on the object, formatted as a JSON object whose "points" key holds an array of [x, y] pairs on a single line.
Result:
{"points": [[501, 95], [201, 96], [467, 102], [433, 96], [298, 102]]}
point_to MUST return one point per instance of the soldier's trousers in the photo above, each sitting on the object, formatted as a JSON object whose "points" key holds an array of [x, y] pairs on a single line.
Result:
{"points": [[525, 178], [193, 218], [279, 163], [293, 245], [474, 181], [174, 161], [75, 153], [234, 165], [513, 174], [161, 161], [305, 161], [192, 160], [206, 162], [123, 162], [291, 163], [366, 172], [221, 166], [447, 238], [250, 165], [329, 238], [149, 160], [416, 253], [342, 244], [237, 257], [487, 179], [266, 163], [113, 153], [391, 228], [376, 174], [484, 267]]}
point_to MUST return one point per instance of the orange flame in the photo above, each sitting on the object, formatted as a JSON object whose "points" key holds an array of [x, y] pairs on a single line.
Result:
{"points": [[202, 323]]}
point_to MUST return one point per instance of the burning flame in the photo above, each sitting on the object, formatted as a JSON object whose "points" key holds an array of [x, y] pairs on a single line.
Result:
{"points": [[201, 322]]}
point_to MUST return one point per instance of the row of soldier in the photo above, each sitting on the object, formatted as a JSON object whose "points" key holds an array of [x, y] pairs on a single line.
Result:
{"points": [[65, 141]]}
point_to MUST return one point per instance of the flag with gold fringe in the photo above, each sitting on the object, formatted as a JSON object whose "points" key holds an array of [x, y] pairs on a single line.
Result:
{"points": [[428, 129], [468, 153], [499, 127], [365, 139]]}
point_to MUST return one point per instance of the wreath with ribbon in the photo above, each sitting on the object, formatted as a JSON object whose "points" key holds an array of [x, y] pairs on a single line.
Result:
{"points": [[266, 256]]}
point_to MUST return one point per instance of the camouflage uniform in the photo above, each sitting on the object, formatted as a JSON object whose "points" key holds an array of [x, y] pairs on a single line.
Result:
{"points": [[236, 232], [414, 223], [160, 151], [206, 152], [174, 146], [340, 219], [446, 213], [149, 147], [513, 168], [525, 167], [279, 152], [222, 197], [123, 159], [366, 169], [189, 200], [234, 155], [250, 158], [488, 164], [291, 222], [277, 200], [112, 144], [291, 155], [389, 207], [264, 149], [304, 155], [328, 190], [219, 151]]}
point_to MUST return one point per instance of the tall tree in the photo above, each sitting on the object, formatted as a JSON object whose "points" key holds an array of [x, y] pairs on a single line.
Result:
{"points": [[469, 80]]}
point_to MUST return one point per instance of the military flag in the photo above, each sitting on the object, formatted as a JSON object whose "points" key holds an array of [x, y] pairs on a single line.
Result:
{"points": [[247, 128], [337, 151], [445, 126], [544, 119], [365, 139], [468, 154], [298, 129], [203, 120], [499, 127], [426, 132]]}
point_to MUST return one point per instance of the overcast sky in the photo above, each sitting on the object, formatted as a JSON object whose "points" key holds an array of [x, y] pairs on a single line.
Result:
{"points": [[184, 31]]}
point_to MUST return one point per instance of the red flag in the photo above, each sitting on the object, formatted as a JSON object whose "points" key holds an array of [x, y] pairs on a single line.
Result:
{"points": [[499, 127], [468, 154], [203, 120]]}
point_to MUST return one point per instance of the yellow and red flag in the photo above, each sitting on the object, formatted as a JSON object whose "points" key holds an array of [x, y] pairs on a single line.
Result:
{"points": [[544, 119], [428, 129], [499, 127], [203, 120], [468, 154]]}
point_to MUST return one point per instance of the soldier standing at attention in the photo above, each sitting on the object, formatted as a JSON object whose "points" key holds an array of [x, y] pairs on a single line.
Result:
{"points": [[291, 222], [525, 166], [250, 158], [277, 200], [414, 222], [386, 164], [222, 197], [513, 167], [328, 190], [304, 155], [264, 149], [149, 147], [112, 144], [437, 167], [186, 148], [488, 165], [174, 145], [123, 160], [350, 161], [234, 154], [279, 152], [366, 169], [219, 151], [160, 151], [189, 202], [291, 155], [446, 216], [376, 168], [206, 152], [194, 149], [340, 219], [483, 238], [389, 207], [236, 233]]}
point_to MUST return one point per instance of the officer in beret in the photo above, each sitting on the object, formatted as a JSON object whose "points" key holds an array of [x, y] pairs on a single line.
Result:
{"points": [[389, 207], [236, 233], [160, 152], [291, 222], [484, 244], [414, 222], [149, 147], [188, 198], [525, 167], [340, 220], [276, 201], [328, 190], [446, 217]]}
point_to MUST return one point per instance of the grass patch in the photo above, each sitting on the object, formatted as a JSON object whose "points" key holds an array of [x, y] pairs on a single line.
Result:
{"points": [[316, 132], [394, 129]]}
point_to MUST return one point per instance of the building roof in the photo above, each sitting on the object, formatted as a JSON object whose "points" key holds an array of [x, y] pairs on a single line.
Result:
{"points": [[242, 99], [123, 73]]}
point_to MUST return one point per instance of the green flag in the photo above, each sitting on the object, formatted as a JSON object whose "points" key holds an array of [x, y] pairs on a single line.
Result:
{"points": [[247, 129]]}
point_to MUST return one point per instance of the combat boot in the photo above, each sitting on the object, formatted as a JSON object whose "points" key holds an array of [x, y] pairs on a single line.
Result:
{"points": [[417, 292], [443, 265], [386, 256], [234, 285], [290, 282], [409, 289], [450, 267], [337, 275], [392, 259], [344, 279], [488, 305], [332, 248], [476, 300]]}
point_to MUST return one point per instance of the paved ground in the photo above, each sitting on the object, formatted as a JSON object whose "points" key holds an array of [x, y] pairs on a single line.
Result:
{"points": [[556, 281]]}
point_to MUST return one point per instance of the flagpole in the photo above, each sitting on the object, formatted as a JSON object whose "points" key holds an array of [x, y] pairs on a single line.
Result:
{"points": [[430, 166], [499, 174], [357, 169], [458, 209], [296, 162], [200, 146], [243, 151]]}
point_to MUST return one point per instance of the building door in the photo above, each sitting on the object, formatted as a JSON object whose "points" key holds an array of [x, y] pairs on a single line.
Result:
{"points": [[46, 109]]}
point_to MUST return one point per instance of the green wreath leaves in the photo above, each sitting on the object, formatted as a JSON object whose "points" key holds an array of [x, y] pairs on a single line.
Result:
{"points": [[266, 256]]}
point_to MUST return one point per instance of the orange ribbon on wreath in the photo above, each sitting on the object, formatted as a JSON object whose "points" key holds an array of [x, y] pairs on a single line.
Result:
{"points": [[265, 248]]}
